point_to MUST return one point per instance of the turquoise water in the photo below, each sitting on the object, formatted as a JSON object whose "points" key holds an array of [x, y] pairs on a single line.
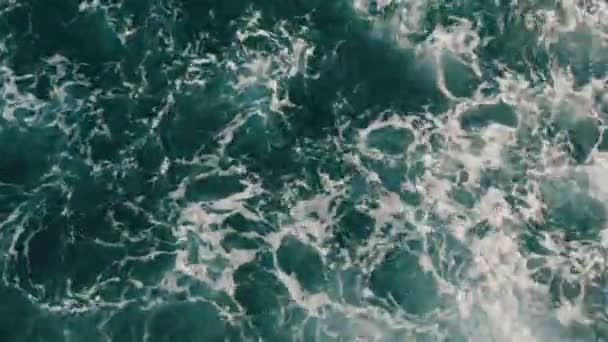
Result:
{"points": [[338, 170]]}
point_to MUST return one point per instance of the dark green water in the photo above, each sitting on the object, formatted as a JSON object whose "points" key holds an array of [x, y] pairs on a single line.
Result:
{"points": [[338, 170]]}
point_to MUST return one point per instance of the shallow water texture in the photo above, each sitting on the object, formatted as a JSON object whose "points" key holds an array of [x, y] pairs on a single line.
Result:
{"points": [[290, 170]]}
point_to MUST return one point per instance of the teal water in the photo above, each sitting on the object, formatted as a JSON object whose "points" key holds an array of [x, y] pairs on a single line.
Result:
{"points": [[338, 170]]}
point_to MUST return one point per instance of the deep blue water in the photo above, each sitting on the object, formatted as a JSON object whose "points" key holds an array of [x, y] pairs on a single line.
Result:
{"points": [[337, 170]]}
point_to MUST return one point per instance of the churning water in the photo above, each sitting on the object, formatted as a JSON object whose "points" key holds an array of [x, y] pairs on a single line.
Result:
{"points": [[303, 170]]}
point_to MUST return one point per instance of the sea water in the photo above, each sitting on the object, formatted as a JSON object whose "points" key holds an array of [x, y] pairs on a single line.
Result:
{"points": [[303, 170]]}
